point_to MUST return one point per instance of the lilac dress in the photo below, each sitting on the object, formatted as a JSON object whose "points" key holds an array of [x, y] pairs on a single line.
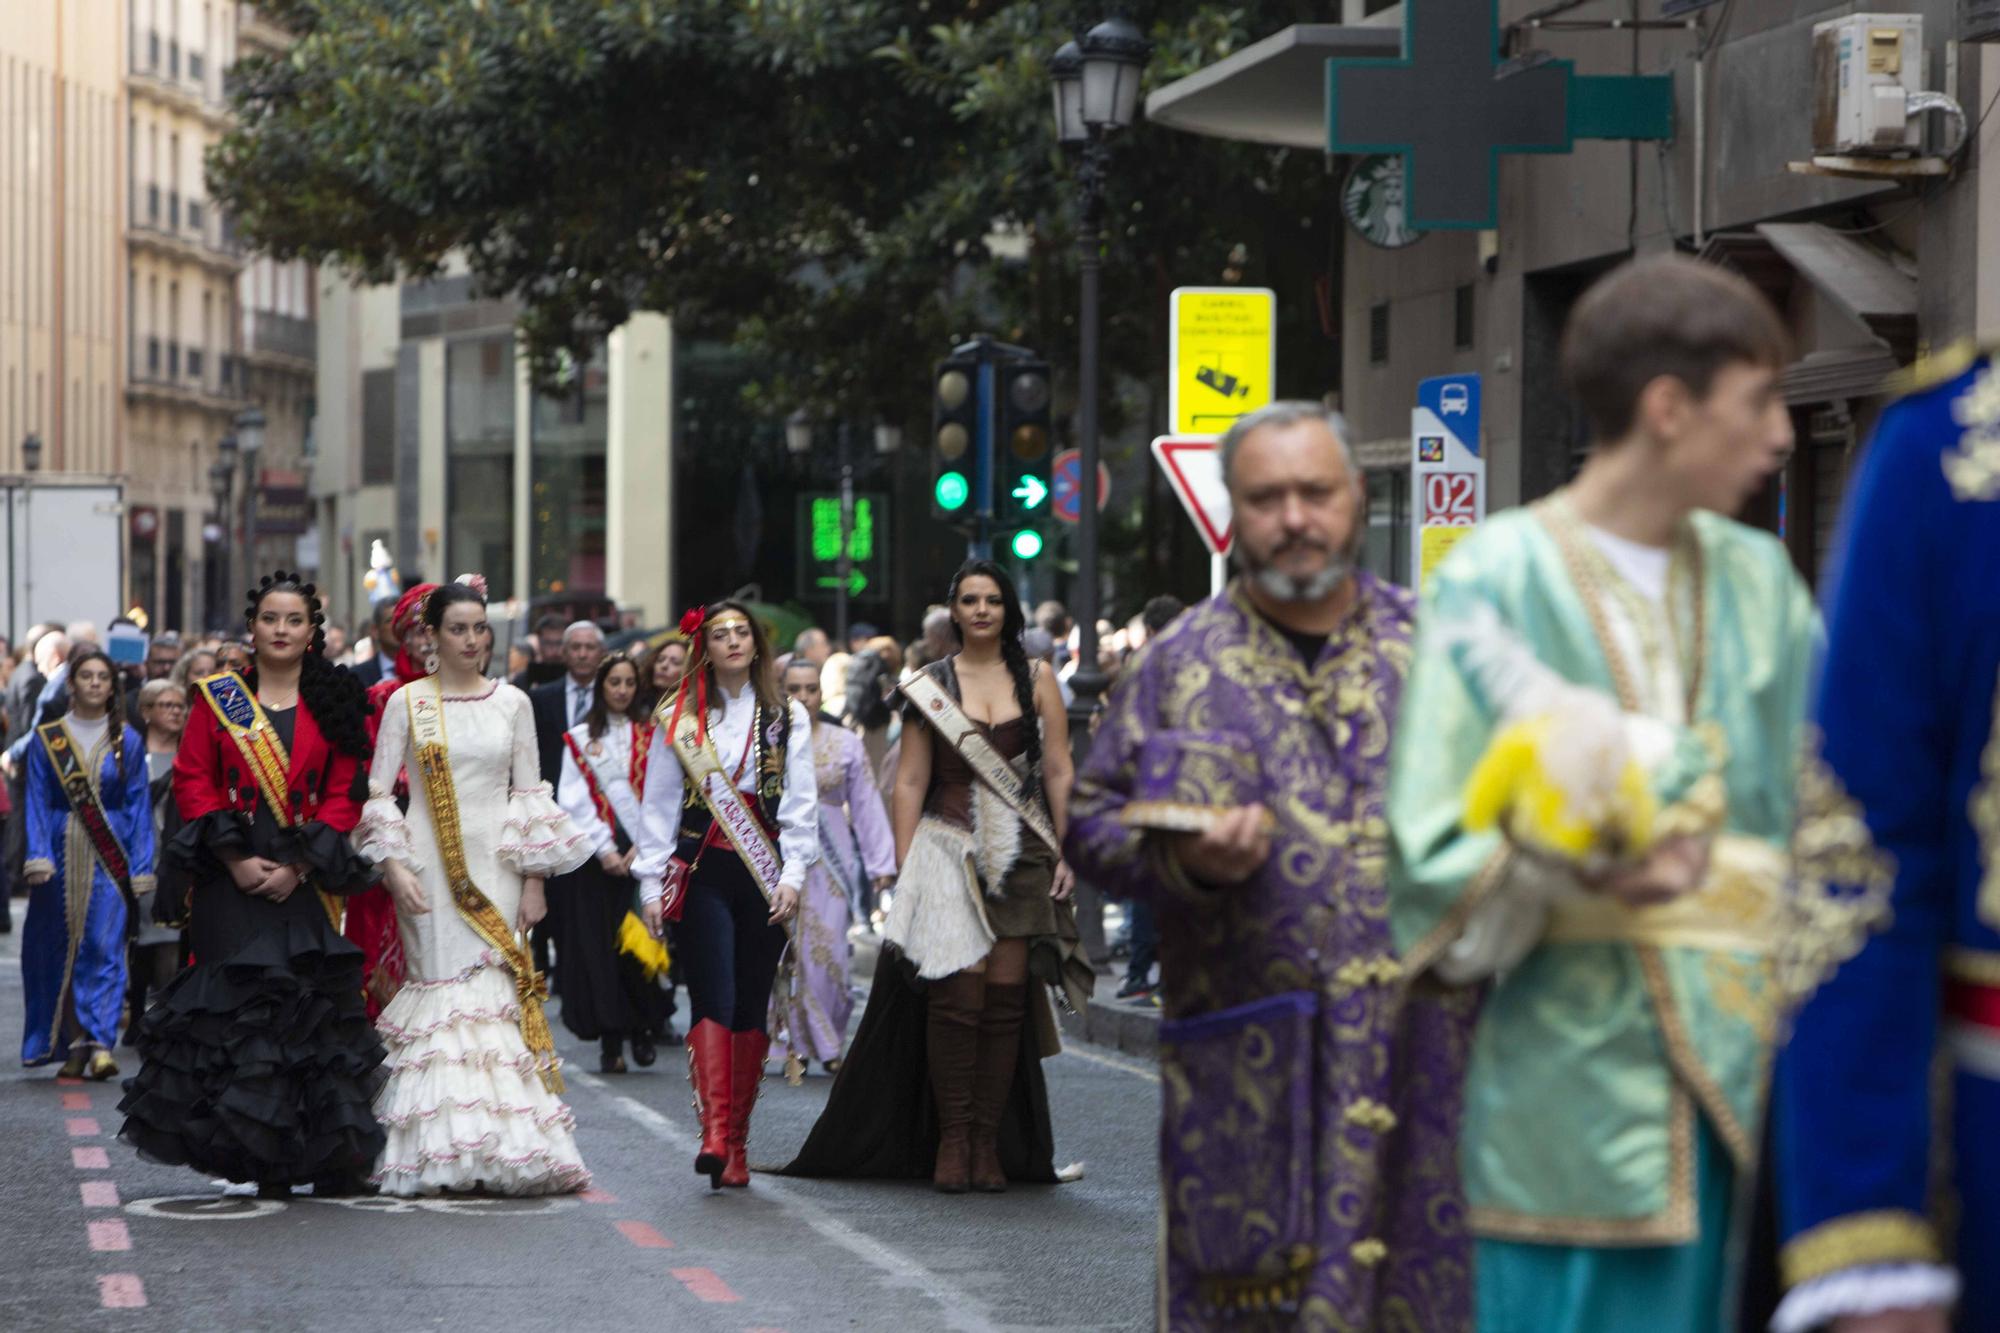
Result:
{"points": [[1311, 1100], [811, 1006]]}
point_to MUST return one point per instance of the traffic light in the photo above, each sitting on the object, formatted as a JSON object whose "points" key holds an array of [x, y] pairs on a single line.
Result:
{"points": [[954, 437], [1021, 453], [1026, 544]]}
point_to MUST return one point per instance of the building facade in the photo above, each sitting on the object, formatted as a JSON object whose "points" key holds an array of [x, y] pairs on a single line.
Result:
{"points": [[62, 258], [1870, 267], [431, 441]]}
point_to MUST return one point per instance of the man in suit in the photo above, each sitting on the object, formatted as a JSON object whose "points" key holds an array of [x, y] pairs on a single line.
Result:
{"points": [[558, 706], [382, 633], [561, 704]]}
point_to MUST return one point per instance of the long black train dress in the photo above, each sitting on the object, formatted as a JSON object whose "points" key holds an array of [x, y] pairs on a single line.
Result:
{"points": [[259, 1063]]}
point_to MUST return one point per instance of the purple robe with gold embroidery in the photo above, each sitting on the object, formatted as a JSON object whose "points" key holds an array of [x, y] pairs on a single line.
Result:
{"points": [[1309, 1135]]}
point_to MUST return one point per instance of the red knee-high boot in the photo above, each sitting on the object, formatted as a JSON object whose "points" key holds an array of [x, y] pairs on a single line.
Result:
{"points": [[709, 1070], [747, 1072]]}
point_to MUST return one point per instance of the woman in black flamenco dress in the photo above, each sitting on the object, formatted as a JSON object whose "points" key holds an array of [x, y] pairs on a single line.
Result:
{"points": [[258, 1062]]}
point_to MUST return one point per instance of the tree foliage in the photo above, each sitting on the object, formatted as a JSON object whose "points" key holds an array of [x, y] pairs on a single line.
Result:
{"points": [[816, 180]]}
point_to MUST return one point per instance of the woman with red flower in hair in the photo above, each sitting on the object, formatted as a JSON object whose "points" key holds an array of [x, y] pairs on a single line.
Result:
{"points": [[371, 915]]}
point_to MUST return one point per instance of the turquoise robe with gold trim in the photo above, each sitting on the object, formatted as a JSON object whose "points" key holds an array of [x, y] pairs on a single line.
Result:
{"points": [[1598, 1050]]}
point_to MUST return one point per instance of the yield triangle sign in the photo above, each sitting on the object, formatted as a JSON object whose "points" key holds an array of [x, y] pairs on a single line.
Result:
{"points": [[1193, 466]]}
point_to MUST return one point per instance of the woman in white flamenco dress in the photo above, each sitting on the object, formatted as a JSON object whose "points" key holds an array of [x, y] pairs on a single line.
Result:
{"points": [[471, 1100]]}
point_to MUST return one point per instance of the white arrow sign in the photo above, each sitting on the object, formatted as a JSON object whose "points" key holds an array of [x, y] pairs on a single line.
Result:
{"points": [[1031, 492], [1194, 469]]}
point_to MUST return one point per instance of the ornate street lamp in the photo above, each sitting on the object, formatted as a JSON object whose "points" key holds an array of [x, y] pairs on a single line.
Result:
{"points": [[221, 473], [250, 438], [1096, 94]]}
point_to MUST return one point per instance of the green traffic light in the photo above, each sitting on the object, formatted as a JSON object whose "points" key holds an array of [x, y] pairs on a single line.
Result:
{"points": [[952, 491], [1027, 544]]}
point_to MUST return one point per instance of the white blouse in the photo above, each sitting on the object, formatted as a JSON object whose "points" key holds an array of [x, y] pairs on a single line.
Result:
{"points": [[728, 728], [612, 766]]}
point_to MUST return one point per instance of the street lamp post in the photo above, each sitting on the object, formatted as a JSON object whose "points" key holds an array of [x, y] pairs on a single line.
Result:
{"points": [[1096, 94], [221, 481], [31, 463], [250, 438], [798, 440]]}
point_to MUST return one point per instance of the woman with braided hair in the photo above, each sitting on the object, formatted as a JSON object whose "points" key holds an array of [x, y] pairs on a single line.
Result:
{"points": [[943, 1078], [258, 1063]]}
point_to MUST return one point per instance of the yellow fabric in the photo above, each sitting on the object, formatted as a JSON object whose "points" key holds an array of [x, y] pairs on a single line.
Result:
{"points": [[1511, 787], [648, 951]]}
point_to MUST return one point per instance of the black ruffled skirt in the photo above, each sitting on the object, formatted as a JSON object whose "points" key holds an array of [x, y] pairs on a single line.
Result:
{"points": [[880, 1120], [258, 1062]]}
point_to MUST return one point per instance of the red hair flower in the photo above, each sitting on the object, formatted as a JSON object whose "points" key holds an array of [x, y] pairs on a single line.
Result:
{"points": [[692, 620]]}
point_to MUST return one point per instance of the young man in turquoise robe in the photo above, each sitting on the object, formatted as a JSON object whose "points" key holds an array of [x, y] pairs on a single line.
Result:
{"points": [[1613, 869], [1886, 1106]]}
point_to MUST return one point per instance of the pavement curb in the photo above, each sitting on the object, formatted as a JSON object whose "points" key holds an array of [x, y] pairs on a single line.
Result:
{"points": [[1118, 1024]]}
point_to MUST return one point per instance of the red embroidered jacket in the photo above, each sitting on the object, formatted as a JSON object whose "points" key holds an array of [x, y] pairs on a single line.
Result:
{"points": [[211, 774]]}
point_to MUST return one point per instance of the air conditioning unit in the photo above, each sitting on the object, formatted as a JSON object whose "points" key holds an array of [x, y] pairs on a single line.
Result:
{"points": [[1866, 70]]}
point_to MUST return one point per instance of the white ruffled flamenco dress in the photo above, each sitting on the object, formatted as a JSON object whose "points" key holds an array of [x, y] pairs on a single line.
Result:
{"points": [[464, 1106]]}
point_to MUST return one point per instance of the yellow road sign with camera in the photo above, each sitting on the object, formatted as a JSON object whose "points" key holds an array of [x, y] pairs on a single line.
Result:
{"points": [[1223, 357]]}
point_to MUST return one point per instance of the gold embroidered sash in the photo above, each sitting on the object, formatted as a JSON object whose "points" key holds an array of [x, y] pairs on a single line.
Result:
{"points": [[962, 734], [732, 814], [79, 785], [426, 704], [235, 706]]}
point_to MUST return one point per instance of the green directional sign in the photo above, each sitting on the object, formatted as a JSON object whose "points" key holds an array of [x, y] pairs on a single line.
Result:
{"points": [[1031, 492], [867, 545]]}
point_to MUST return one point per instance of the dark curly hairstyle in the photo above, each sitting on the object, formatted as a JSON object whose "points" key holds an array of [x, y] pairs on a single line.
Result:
{"points": [[444, 596], [1013, 623], [114, 707], [335, 697]]}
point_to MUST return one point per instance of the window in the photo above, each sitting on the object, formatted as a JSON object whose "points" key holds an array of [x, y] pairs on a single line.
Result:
{"points": [[195, 71], [153, 355], [1378, 334], [1386, 548], [194, 215], [567, 485], [378, 426], [194, 363], [479, 459], [1463, 334]]}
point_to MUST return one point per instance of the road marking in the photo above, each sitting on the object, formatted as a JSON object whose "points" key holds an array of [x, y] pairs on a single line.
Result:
{"points": [[83, 1127], [90, 1159], [1150, 1075], [644, 1236], [961, 1312], [121, 1291], [64, 1081], [706, 1285], [76, 1101], [110, 1234], [597, 1196], [100, 1194]]}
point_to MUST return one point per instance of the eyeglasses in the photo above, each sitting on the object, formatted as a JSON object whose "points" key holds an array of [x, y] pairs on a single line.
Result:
{"points": [[181, 704]]}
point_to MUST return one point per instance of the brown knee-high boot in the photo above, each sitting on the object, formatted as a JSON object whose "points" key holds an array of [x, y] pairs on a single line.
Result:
{"points": [[952, 1047], [993, 1078]]}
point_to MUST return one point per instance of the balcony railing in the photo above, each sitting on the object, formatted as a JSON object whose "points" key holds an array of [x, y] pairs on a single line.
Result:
{"points": [[283, 335]]}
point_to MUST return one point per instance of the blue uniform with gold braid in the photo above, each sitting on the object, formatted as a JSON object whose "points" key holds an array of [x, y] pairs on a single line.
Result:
{"points": [[1906, 931]]}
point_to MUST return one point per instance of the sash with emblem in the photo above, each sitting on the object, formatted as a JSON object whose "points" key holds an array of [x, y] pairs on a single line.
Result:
{"points": [[620, 822], [79, 785], [242, 717], [427, 737]]}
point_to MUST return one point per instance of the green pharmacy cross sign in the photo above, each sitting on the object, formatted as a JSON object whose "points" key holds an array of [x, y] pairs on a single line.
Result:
{"points": [[1449, 108]]}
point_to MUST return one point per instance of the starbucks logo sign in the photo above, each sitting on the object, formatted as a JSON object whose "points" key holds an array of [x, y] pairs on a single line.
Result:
{"points": [[1373, 202]]}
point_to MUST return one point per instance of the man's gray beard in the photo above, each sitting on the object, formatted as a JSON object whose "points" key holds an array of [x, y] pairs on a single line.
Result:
{"points": [[1283, 587]]}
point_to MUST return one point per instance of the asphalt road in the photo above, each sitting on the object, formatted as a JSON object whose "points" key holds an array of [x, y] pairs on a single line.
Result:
{"points": [[93, 1238]]}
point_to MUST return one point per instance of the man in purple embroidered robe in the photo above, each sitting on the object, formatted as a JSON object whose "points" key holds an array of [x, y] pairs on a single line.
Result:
{"points": [[1309, 1134]]}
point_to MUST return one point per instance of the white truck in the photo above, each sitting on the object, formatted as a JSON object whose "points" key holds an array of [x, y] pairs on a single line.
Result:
{"points": [[62, 549]]}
